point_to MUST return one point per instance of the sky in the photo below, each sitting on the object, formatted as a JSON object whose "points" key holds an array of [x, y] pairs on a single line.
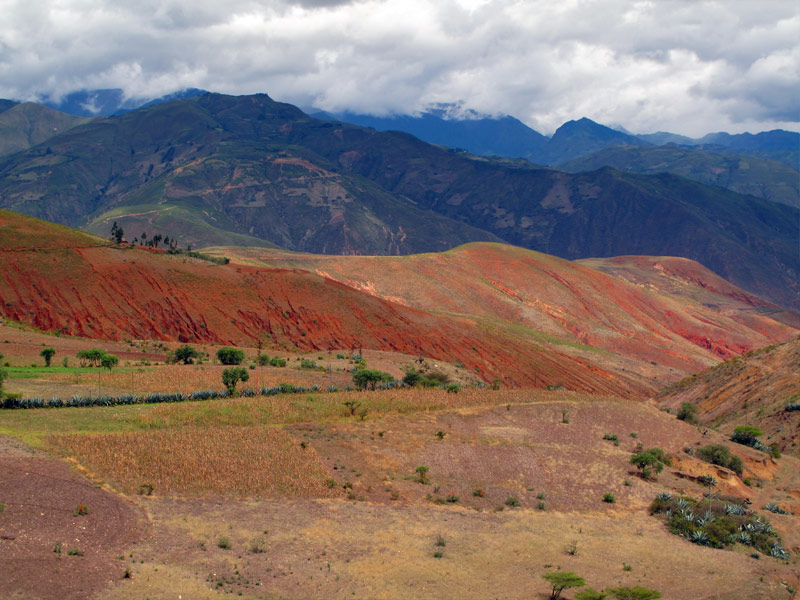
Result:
{"points": [[689, 67]]}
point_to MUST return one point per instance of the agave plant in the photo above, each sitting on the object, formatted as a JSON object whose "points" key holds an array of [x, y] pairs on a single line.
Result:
{"points": [[682, 503], [700, 537], [774, 508], [744, 538], [688, 515], [779, 551], [734, 509], [664, 496]]}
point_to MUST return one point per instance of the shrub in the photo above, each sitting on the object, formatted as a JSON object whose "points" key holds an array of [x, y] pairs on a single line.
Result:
{"points": [[609, 497], [230, 356], [636, 592], [717, 454], [747, 435], [263, 360], [478, 492], [513, 501], [422, 471], [307, 363], [224, 543], [81, 510], [277, 361], [611, 437], [688, 412], [590, 594], [185, 354]]}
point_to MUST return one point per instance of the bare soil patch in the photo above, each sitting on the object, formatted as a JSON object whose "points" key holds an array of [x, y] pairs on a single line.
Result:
{"points": [[40, 497]]}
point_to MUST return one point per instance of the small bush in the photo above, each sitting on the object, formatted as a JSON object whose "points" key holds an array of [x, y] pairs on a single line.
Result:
{"points": [[81, 510], [277, 361], [688, 413], [224, 543], [717, 454], [609, 497], [478, 492], [230, 356], [74, 552]]}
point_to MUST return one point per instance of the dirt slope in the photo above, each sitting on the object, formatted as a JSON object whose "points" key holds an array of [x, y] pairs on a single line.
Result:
{"points": [[752, 390], [704, 320]]}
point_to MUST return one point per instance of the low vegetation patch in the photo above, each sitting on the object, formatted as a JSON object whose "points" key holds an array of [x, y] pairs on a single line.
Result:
{"points": [[718, 524], [717, 454], [236, 461]]}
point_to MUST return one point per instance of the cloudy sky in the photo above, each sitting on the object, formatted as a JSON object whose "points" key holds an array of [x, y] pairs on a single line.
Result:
{"points": [[688, 67]]}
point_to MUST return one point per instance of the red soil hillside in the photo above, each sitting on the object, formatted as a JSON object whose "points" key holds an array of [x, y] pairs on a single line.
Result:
{"points": [[689, 279], [525, 317], [125, 293], [751, 390], [683, 329]]}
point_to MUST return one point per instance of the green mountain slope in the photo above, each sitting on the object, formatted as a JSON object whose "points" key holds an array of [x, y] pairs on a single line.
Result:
{"points": [[28, 124], [767, 179], [256, 167]]}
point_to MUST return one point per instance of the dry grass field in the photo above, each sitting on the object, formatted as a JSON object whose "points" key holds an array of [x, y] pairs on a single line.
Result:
{"points": [[292, 497]]}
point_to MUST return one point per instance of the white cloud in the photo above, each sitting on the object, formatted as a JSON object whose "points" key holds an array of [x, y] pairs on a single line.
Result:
{"points": [[685, 66]]}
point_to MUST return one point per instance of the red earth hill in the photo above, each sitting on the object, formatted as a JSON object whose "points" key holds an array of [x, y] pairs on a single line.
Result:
{"points": [[663, 328], [536, 321]]}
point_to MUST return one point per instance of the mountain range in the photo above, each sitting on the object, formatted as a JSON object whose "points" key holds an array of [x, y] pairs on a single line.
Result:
{"points": [[215, 169]]}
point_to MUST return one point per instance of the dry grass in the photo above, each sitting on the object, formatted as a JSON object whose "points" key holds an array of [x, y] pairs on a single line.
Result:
{"points": [[241, 461]]}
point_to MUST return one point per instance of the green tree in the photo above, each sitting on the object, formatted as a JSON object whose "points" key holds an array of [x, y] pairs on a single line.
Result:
{"points": [[368, 378], [116, 233], [650, 460], [232, 376], [562, 580], [263, 360], [91, 357], [47, 354], [230, 356], [109, 361], [185, 354], [636, 592]]}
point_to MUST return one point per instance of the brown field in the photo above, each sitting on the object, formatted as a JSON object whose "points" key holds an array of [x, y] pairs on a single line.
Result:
{"points": [[244, 461]]}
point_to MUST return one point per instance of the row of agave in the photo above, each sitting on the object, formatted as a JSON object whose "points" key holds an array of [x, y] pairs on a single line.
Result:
{"points": [[154, 398]]}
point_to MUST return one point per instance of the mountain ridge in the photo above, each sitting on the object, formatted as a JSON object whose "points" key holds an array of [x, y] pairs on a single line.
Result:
{"points": [[257, 167]]}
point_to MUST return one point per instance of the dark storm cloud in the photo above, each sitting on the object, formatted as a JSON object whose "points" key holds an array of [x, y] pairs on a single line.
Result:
{"points": [[690, 67]]}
